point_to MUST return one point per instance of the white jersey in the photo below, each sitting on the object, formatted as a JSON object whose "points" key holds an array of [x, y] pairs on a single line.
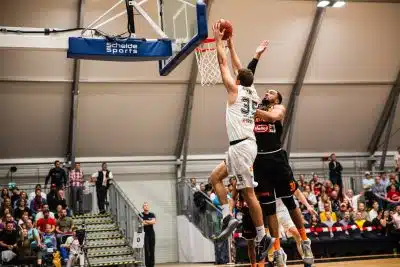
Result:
{"points": [[240, 115]]}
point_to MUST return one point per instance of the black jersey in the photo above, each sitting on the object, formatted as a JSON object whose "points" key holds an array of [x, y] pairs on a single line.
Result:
{"points": [[268, 135]]}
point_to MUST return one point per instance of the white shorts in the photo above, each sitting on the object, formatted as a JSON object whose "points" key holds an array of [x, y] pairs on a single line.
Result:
{"points": [[284, 219], [239, 162]]}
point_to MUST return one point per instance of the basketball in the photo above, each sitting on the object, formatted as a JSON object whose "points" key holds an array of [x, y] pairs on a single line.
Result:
{"points": [[227, 26]]}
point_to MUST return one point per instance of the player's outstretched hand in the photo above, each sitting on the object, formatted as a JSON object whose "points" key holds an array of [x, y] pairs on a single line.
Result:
{"points": [[312, 211], [218, 34], [262, 47]]}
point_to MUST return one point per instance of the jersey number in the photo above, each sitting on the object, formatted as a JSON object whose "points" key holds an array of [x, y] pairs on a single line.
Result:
{"points": [[247, 109]]}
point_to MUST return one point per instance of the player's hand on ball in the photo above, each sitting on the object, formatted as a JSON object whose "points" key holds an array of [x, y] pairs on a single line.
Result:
{"points": [[262, 47], [218, 34]]}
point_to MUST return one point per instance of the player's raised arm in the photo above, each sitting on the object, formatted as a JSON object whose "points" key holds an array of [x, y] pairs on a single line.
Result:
{"points": [[275, 114], [259, 51], [236, 64], [227, 79]]}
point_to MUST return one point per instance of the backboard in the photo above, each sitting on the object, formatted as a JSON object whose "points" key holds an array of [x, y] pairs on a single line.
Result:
{"points": [[185, 23]]}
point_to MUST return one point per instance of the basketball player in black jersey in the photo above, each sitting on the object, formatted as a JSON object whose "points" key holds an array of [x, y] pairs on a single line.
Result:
{"points": [[272, 171]]}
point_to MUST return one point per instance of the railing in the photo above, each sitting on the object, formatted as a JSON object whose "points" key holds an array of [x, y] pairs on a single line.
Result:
{"points": [[126, 215], [200, 211]]}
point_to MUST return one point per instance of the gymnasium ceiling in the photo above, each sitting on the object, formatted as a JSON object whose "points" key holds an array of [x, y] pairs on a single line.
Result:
{"points": [[127, 109]]}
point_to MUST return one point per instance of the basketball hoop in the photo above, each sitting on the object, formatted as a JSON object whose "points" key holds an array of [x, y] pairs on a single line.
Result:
{"points": [[207, 62]]}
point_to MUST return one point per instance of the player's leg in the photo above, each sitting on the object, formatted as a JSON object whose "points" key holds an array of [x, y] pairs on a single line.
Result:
{"points": [[251, 251], [246, 154], [264, 171], [289, 227], [229, 223]]}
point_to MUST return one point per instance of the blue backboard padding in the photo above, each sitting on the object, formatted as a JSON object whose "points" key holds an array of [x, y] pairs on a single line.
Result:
{"points": [[202, 34], [131, 49]]}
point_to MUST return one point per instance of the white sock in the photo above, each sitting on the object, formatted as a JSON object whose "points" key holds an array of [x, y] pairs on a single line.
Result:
{"points": [[260, 233], [225, 210]]}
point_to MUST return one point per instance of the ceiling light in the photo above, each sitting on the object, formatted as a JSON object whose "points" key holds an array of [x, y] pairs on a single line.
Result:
{"points": [[323, 3], [339, 4]]}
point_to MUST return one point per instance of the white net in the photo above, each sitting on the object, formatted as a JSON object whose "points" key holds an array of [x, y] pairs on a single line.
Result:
{"points": [[207, 61]]}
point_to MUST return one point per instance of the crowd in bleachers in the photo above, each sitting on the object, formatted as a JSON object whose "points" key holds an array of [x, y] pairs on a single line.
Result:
{"points": [[34, 225]]}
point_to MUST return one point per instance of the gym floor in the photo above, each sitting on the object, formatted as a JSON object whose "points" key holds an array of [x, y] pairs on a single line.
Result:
{"points": [[361, 263]]}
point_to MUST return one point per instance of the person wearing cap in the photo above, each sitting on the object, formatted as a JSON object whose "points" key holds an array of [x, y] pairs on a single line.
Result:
{"points": [[33, 194]]}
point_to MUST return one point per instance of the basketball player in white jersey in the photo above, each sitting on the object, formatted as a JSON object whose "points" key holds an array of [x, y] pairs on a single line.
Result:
{"points": [[241, 106]]}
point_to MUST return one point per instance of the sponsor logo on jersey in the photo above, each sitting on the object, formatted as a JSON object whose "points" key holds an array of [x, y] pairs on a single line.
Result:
{"points": [[265, 128], [247, 120]]}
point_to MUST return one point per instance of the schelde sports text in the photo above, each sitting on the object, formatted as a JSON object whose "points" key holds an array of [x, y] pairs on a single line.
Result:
{"points": [[116, 48]]}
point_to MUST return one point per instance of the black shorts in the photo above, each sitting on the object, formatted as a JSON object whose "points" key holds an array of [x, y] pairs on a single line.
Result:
{"points": [[248, 229], [274, 176]]}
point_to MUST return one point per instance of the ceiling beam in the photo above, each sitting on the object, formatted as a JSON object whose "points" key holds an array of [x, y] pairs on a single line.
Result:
{"points": [[383, 119], [301, 73], [73, 120]]}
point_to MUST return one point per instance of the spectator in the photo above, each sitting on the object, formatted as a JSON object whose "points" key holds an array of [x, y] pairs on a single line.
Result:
{"points": [[324, 199], [396, 218], [24, 246], [312, 199], [102, 179], [359, 220], [373, 213], [149, 219], [202, 187], [49, 239], [57, 176], [16, 195], [60, 199], [367, 184], [8, 218], [329, 220], [193, 184], [379, 191], [397, 160], [76, 182], [335, 201], [317, 185], [335, 170], [64, 224], [392, 181], [4, 194], [46, 220], [6, 205], [51, 198], [40, 215], [344, 207], [393, 195], [301, 182], [353, 199], [57, 215], [21, 209], [387, 221], [24, 219], [327, 208], [385, 180], [33, 194], [75, 250], [8, 243], [346, 219], [23, 196], [37, 203], [361, 209], [35, 241], [328, 187]]}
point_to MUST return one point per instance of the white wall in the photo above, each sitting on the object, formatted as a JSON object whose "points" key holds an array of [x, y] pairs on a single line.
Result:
{"points": [[159, 191]]}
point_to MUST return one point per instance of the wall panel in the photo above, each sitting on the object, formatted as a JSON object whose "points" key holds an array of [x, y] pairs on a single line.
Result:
{"points": [[34, 119], [337, 118], [128, 119], [357, 43]]}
